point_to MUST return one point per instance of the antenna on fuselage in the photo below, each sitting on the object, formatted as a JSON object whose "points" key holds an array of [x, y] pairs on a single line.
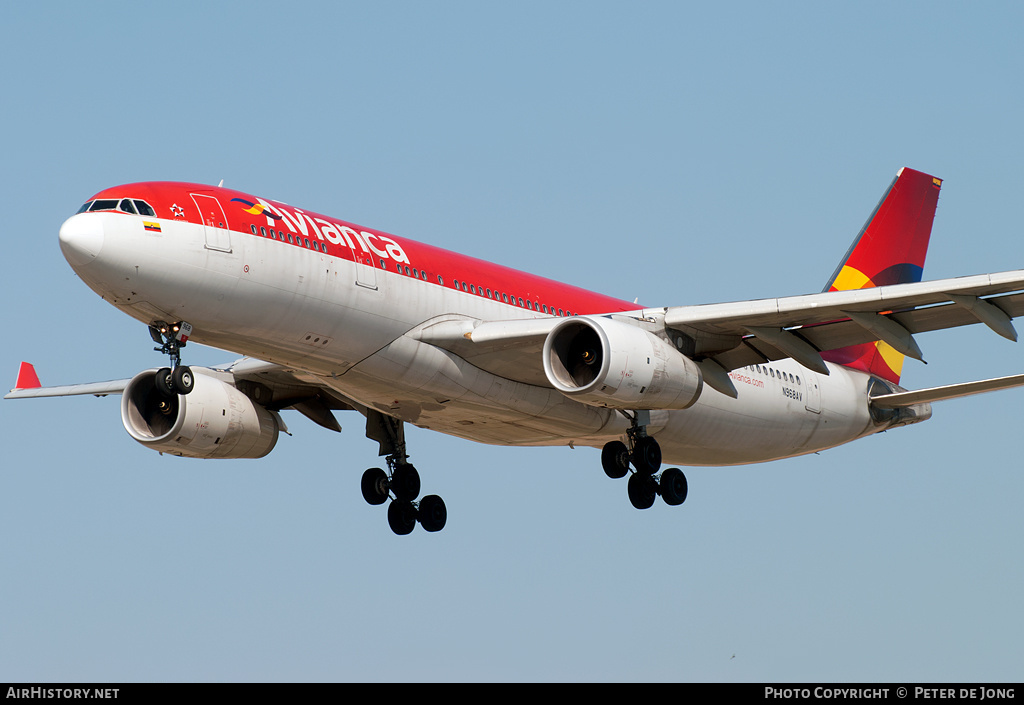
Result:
{"points": [[221, 183]]}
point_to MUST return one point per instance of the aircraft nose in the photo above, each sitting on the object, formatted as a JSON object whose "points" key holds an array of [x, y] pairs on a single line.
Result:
{"points": [[81, 239]]}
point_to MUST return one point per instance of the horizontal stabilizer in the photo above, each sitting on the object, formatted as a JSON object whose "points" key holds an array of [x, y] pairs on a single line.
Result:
{"points": [[28, 386], [952, 391]]}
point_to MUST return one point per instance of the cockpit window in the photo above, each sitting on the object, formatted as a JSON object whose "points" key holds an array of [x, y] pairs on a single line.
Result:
{"points": [[84, 208], [125, 205]]}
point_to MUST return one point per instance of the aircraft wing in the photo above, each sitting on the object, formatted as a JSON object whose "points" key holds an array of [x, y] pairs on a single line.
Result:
{"points": [[723, 337], [274, 386], [749, 332], [802, 327]]}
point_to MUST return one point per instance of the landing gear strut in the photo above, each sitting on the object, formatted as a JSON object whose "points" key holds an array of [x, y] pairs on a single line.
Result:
{"points": [[402, 480], [172, 337], [644, 453]]}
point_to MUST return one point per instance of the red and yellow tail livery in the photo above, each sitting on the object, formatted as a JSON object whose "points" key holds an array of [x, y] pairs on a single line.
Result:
{"points": [[890, 249]]}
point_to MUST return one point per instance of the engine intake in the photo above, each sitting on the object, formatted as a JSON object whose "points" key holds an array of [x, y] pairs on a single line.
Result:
{"points": [[214, 421], [603, 362]]}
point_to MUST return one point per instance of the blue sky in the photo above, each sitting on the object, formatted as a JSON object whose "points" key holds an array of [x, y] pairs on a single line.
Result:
{"points": [[675, 152]]}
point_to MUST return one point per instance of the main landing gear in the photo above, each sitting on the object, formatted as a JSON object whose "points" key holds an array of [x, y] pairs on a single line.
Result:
{"points": [[402, 481], [644, 453], [172, 337]]}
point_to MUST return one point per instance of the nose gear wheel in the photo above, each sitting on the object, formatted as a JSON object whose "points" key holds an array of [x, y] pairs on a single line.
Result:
{"points": [[172, 337]]}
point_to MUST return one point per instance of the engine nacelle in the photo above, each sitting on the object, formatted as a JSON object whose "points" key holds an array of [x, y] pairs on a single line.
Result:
{"points": [[215, 420], [603, 362]]}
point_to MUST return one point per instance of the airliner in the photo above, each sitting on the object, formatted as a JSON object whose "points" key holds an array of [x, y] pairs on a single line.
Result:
{"points": [[330, 316]]}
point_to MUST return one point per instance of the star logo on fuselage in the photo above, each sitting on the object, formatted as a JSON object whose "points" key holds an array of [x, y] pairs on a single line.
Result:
{"points": [[177, 211]]}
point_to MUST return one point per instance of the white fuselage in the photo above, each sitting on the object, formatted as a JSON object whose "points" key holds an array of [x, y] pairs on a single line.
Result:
{"points": [[346, 324]]}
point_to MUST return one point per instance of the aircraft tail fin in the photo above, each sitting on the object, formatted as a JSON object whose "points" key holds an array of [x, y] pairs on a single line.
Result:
{"points": [[27, 377], [889, 249]]}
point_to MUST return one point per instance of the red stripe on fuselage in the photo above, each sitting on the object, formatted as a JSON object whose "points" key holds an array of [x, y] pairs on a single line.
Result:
{"points": [[172, 199]]}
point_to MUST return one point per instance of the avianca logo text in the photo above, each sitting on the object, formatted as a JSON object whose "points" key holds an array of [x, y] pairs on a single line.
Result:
{"points": [[332, 232]]}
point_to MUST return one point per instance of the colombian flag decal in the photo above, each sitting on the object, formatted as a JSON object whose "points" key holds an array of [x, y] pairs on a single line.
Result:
{"points": [[151, 227]]}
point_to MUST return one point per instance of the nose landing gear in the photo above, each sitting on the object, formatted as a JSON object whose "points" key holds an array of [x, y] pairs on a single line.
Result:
{"points": [[644, 453], [172, 337]]}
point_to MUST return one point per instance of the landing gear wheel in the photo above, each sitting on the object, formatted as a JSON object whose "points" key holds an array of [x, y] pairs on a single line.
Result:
{"points": [[163, 382], [673, 487], [615, 459], [375, 486], [642, 490], [401, 517], [182, 379], [405, 482], [647, 455], [433, 515]]}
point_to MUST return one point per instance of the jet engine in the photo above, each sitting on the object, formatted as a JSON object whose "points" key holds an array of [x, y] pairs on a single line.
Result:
{"points": [[604, 362], [214, 421]]}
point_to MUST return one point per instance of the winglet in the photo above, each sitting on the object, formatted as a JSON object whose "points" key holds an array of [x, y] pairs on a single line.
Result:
{"points": [[27, 377]]}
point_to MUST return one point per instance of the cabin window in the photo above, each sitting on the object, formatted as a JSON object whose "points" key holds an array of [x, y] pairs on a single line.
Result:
{"points": [[798, 379], [440, 280], [521, 301], [307, 242], [262, 230], [504, 297]]}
